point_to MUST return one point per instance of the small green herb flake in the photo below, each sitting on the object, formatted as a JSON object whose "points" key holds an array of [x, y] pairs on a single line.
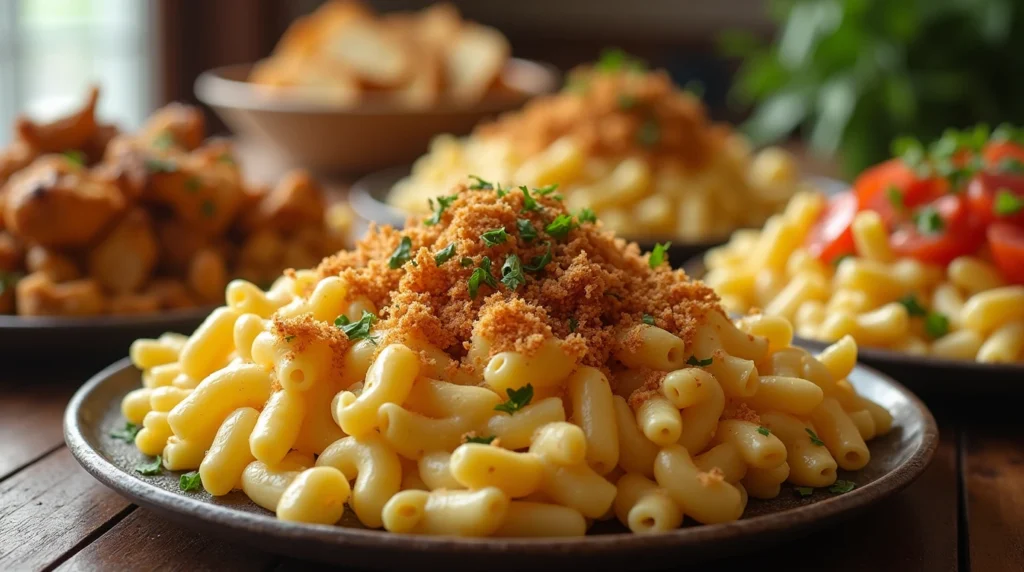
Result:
{"points": [[481, 275], [764, 431], [561, 226], [165, 140], [190, 482], [494, 237], [546, 190], [226, 158], [539, 262], [936, 325], [614, 59], [839, 487], [700, 362], [527, 231], [803, 491], [481, 440], [208, 208], [814, 437], [657, 256], [929, 221], [150, 469], [626, 101], [289, 339], [586, 215], [895, 197], [359, 330], [402, 254], [512, 273], [445, 254], [466, 262], [529, 203], [1011, 166], [160, 166], [649, 133], [647, 319], [517, 399], [909, 150], [500, 191], [914, 308], [573, 324], [442, 203], [193, 184], [75, 157], [127, 433], [480, 184], [1007, 203]]}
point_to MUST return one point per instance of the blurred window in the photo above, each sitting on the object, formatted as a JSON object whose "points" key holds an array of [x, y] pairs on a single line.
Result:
{"points": [[52, 50]]}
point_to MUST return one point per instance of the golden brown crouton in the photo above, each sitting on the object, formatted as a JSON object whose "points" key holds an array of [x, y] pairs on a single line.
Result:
{"points": [[37, 295], [65, 134], [124, 260], [58, 267]]}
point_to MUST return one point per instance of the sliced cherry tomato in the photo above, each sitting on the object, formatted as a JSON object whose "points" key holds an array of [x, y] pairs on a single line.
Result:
{"points": [[995, 152], [873, 186], [960, 234], [832, 237], [981, 196], [1007, 244]]}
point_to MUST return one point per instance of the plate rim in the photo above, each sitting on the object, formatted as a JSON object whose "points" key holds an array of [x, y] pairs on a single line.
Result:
{"points": [[201, 513], [15, 322]]}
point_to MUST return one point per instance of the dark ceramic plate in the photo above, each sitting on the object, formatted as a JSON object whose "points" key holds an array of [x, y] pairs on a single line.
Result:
{"points": [[926, 375], [369, 200], [25, 337], [897, 459]]}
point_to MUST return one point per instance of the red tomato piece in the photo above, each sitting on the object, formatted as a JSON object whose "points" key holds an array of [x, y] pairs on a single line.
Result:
{"points": [[832, 237], [995, 152], [1007, 244], [960, 234], [873, 186], [981, 196]]}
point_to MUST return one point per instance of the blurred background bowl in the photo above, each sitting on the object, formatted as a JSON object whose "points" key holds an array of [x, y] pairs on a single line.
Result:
{"points": [[331, 139]]}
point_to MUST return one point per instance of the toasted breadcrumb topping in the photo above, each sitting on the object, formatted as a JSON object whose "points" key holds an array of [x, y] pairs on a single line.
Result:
{"points": [[593, 285], [715, 475], [740, 410]]}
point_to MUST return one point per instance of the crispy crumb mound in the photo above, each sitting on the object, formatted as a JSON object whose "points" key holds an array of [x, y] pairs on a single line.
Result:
{"points": [[650, 387], [715, 475], [740, 410], [301, 331], [593, 286]]}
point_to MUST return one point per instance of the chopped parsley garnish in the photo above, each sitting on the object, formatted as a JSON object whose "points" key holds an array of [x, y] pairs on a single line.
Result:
{"points": [[657, 256], [190, 481], [839, 487], [587, 215], [614, 59], [481, 274], [128, 433], [895, 197], [150, 469], [561, 226], [226, 158], [546, 190], [804, 491], [1007, 203], [481, 440], [193, 184], [910, 151], [647, 319], [443, 202], [77, 157], [539, 262], [289, 338], [929, 221], [526, 230], [494, 237], [512, 272], [480, 184], [764, 431], [359, 330], [914, 308], [626, 101], [9, 280], [529, 203], [649, 133], [500, 191], [402, 254], [445, 254], [936, 325], [1011, 165], [700, 362], [207, 208], [165, 140], [573, 324], [517, 399], [160, 166], [466, 262], [814, 437]]}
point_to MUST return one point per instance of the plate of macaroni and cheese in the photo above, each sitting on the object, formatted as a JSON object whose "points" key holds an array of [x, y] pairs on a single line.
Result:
{"points": [[921, 263], [114, 234], [621, 142], [501, 378]]}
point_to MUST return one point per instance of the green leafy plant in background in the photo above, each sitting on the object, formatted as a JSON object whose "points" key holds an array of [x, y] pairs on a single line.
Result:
{"points": [[852, 75]]}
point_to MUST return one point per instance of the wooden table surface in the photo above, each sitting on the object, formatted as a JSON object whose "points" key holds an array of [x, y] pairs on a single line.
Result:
{"points": [[965, 513]]}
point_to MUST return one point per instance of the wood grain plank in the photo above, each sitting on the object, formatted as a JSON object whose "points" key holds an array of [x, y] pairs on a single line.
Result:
{"points": [[993, 467], [30, 422], [49, 508], [913, 530], [145, 541]]}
